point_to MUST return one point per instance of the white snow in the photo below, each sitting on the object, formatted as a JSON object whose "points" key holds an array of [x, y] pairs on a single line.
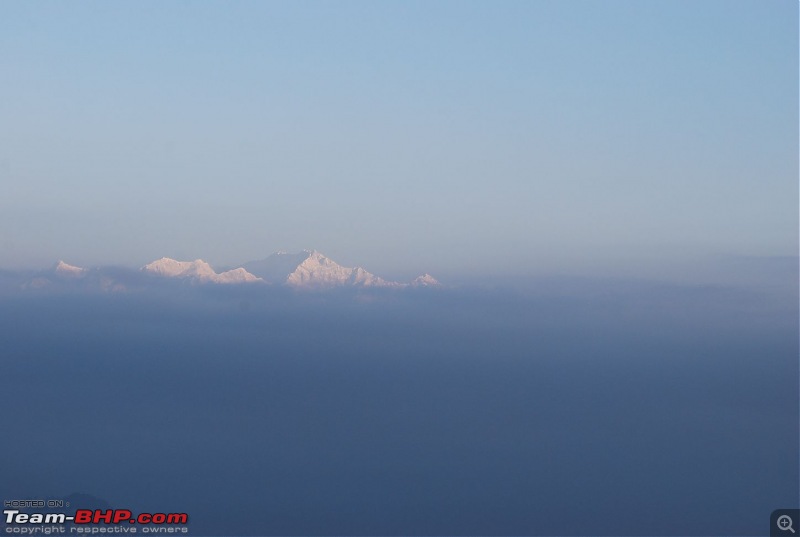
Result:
{"points": [[311, 269], [238, 275], [308, 269], [70, 271], [426, 280], [173, 269], [197, 270], [319, 271]]}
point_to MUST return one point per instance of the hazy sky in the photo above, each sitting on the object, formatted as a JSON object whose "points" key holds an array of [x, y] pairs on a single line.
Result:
{"points": [[439, 136]]}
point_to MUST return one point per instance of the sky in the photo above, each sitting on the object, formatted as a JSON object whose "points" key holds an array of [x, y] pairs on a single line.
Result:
{"points": [[479, 137]]}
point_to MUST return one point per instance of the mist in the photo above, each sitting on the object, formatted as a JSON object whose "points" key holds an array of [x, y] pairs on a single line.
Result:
{"points": [[574, 407]]}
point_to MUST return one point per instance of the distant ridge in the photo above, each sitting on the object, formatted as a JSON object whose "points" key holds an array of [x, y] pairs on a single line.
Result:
{"points": [[69, 271], [308, 269], [198, 270], [312, 269]]}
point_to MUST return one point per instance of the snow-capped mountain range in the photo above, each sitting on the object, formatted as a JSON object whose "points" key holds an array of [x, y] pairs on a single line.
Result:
{"points": [[311, 269], [308, 269], [69, 271], [198, 270]]}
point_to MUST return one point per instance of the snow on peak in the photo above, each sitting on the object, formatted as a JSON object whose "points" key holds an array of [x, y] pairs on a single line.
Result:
{"points": [[310, 269], [277, 267], [426, 280], [318, 271], [197, 270], [238, 275], [70, 271], [307, 269], [361, 277], [172, 268]]}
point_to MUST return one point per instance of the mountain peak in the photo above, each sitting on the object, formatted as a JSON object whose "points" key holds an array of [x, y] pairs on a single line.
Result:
{"points": [[307, 269], [71, 271], [318, 271], [311, 269], [197, 270], [426, 280], [167, 266]]}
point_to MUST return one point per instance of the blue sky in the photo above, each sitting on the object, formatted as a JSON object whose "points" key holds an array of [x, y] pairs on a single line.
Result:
{"points": [[402, 136]]}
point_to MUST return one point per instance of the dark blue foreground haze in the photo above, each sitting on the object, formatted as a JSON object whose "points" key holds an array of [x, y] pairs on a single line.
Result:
{"points": [[589, 408]]}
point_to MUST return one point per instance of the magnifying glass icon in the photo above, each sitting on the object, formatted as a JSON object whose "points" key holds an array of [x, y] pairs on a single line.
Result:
{"points": [[785, 523]]}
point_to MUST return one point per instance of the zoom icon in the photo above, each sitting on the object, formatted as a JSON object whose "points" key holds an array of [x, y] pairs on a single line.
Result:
{"points": [[783, 522]]}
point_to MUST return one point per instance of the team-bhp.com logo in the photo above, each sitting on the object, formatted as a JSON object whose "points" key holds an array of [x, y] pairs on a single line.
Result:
{"points": [[87, 520]]}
